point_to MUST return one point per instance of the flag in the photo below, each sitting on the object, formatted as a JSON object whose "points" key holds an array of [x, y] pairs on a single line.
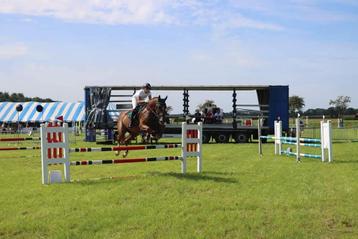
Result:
{"points": [[60, 118]]}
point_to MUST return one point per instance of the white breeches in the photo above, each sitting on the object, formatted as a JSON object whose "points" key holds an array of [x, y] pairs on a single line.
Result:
{"points": [[134, 102]]}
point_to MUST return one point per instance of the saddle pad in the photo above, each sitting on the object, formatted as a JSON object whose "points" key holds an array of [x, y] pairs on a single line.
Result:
{"points": [[141, 107]]}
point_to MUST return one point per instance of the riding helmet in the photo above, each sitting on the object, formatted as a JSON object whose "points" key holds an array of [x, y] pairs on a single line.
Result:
{"points": [[147, 86]]}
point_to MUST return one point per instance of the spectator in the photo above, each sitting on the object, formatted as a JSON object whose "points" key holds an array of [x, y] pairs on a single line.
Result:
{"points": [[197, 116], [209, 117], [217, 117]]}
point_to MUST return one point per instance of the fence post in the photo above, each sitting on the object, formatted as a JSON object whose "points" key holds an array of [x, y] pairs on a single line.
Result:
{"points": [[326, 140], [278, 136], [44, 156], [184, 147], [199, 147], [323, 155], [54, 149], [329, 138], [259, 136], [298, 135], [66, 154]]}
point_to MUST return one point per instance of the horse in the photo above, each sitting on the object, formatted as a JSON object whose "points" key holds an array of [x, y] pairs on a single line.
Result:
{"points": [[151, 121]]}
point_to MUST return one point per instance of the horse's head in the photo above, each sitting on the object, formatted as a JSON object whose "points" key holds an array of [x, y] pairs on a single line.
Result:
{"points": [[161, 109], [158, 106]]}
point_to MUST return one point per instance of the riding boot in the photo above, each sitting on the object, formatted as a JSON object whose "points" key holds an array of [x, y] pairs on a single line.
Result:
{"points": [[133, 117]]}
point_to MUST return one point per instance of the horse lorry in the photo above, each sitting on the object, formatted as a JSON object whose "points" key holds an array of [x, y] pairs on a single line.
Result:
{"points": [[104, 103]]}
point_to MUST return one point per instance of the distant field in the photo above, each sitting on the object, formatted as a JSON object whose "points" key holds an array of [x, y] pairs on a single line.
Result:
{"points": [[239, 195], [312, 129], [315, 122]]}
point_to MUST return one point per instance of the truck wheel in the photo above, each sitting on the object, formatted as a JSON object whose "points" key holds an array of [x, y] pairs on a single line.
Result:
{"points": [[241, 138], [206, 138], [222, 138]]}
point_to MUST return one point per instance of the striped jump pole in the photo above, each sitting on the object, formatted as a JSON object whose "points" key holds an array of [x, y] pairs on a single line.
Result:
{"points": [[304, 140], [55, 150], [20, 148], [315, 156], [302, 144], [120, 148], [118, 161], [324, 142], [103, 149], [267, 137], [276, 137], [19, 139]]}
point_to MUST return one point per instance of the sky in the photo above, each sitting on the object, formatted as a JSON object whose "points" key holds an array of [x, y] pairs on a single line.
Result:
{"points": [[56, 48]]}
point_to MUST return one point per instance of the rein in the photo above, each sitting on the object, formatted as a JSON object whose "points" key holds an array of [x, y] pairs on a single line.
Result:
{"points": [[156, 115]]}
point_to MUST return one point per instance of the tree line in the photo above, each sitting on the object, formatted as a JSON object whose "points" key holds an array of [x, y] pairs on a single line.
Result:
{"points": [[339, 107], [19, 97]]}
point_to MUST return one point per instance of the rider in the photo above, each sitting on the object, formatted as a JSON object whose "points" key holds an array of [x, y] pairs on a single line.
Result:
{"points": [[138, 99]]}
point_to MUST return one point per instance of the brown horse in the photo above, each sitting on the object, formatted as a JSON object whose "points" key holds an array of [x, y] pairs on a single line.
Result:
{"points": [[150, 121]]}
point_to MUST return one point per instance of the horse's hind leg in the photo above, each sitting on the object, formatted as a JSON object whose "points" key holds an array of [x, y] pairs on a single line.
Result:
{"points": [[117, 151]]}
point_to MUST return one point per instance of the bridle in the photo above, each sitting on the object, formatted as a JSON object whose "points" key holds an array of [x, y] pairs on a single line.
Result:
{"points": [[157, 112]]}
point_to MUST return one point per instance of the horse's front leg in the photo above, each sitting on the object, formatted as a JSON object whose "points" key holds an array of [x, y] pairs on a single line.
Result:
{"points": [[120, 140], [126, 142], [146, 129]]}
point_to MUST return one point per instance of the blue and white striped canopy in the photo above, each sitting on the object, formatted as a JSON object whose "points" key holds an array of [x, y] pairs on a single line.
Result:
{"points": [[70, 111]]}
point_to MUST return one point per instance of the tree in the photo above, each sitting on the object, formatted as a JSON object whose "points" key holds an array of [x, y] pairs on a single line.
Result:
{"points": [[340, 104], [331, 111], [14, 97], [207, 104], [19, 97], [350, 111], [296, 104]]}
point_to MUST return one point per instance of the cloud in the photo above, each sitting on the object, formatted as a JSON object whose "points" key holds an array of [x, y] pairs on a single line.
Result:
{"points": [[304, 10], [145, 12], [253, 14], [243, 22], [10, 51], [224, 15], [93, 11]]}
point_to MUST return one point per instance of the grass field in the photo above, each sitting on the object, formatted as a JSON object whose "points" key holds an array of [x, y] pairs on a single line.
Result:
{"points": [[239, 195]]}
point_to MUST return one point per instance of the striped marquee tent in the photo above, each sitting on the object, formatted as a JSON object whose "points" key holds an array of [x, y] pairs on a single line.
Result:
{"points": [[71, 112]]}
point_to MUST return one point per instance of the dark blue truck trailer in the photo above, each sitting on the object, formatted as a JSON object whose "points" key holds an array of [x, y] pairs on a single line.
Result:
{"points": [[103, 104]]}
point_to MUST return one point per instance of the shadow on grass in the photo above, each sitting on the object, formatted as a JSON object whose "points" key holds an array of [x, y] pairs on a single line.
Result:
{"points": [[207, 176], [219, 173], [344, 141], [345, 161], [196, 177], [106, 180]]}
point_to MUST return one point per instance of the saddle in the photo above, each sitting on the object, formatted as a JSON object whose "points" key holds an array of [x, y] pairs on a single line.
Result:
{"points": [[133, 114]]}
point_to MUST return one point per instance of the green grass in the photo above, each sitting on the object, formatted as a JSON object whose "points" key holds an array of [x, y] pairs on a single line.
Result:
{"points": [[239, 195]]}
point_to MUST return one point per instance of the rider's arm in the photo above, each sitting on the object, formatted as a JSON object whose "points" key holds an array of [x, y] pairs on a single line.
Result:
{"points": [[138, 100], [137, 97]]}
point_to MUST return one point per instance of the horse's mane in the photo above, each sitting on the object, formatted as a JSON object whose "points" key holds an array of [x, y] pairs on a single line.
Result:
{"points": [[151, 103]]}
